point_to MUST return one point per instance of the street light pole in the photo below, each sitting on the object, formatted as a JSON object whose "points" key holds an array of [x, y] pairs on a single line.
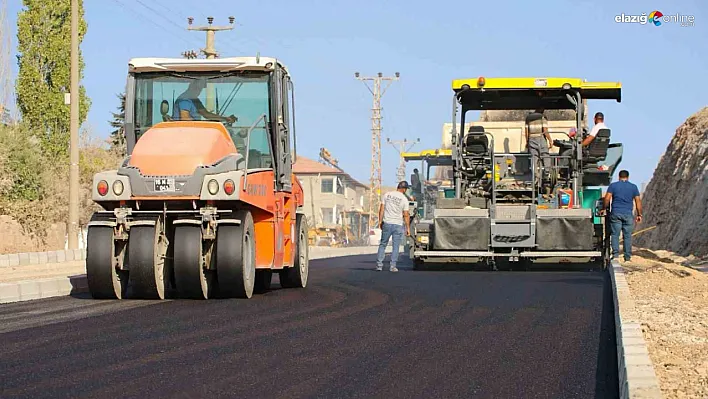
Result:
{"points": [[73, 229]]}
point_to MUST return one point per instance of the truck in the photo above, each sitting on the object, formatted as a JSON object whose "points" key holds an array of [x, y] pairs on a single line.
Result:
{"points": [[505, 204], [205, 205]]}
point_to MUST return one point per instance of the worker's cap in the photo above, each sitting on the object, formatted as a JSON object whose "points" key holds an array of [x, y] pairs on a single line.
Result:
{"points": [[403, 184]]}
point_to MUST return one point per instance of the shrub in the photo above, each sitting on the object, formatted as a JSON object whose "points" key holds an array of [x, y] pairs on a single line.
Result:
{"points": [[34, 188]]}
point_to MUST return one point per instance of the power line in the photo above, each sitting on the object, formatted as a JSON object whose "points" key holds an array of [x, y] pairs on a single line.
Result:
{"points": [[160, 14], [151, 22], [173, 9]]}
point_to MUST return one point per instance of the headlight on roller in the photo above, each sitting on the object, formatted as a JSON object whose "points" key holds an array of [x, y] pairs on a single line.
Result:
{"points": [[213, 187], [118, 187]]}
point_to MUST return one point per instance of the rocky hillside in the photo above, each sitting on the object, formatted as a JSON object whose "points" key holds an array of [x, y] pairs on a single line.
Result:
{"points": [[676, 198]]}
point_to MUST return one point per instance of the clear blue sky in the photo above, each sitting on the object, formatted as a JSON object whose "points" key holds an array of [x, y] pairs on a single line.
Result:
{"points": [[662, 69]]}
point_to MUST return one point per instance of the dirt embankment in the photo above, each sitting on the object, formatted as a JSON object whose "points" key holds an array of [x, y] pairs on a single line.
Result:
{"points": [[676, 198], [16, 238], [672, 302]]}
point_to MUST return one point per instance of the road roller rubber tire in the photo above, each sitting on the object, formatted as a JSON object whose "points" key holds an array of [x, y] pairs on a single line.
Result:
{"points": [[236, 257], [191, 278], [297, 275], [147, 249], [263, 281], [104, 280]]}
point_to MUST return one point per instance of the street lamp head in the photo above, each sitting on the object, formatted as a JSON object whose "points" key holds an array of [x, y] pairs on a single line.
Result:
{"points": [[210, 20], [190, 20]]}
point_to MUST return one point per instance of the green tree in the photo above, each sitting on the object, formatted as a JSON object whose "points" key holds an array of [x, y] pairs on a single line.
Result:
{"points": [[118, 142], [44, 47]]}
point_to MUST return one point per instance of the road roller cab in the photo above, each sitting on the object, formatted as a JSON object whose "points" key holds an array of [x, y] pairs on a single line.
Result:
{"points": [[206, 204]]}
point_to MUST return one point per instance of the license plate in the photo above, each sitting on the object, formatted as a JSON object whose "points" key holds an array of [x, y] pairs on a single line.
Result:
{"points": [[165, 185]]}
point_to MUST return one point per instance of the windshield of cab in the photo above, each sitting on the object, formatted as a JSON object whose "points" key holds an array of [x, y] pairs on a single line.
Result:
{"points": [[159, 97]]}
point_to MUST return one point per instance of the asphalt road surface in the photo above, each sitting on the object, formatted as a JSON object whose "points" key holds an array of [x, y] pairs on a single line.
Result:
{"points": [[353, 332]]}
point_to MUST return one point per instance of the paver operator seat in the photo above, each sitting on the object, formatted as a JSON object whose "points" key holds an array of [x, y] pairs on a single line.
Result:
{"points": [[597, 150], [476, 151], [593, 154]]}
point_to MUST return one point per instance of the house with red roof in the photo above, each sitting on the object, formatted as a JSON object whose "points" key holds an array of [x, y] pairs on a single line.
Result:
{"points": [[330, 193]]}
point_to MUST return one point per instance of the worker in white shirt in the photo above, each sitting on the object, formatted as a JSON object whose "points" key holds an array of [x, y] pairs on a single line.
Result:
{"points": [[394, 220], [599, 124]]}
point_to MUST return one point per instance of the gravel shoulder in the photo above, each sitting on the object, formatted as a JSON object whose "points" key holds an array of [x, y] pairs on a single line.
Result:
{"points": [[672, 301]]}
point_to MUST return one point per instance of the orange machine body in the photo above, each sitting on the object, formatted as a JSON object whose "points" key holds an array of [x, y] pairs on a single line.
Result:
{"points": [[177, 148]]}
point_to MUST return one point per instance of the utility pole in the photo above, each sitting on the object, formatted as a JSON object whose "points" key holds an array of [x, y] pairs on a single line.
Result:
{"points": [[400, 146], [73, 230], [375, 185], [209, 51]]}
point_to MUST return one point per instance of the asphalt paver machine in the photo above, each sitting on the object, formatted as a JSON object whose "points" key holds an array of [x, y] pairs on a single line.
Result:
{"points": [[507, 205]]}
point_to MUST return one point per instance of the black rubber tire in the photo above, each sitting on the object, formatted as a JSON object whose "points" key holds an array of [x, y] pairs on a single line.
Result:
{"points": [[236, 257], [297, 275], [192, 280], [263, 281], [418, 264], [104, 280], [147, 252]]}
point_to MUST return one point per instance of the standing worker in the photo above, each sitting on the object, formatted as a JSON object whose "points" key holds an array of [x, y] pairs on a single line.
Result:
{"points": [[538, 140], [394, 217], [623, 196], [416, 184]]}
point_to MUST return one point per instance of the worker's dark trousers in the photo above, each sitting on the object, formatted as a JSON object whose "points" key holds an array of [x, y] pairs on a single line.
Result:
{"points": [[538, 148], [624, 223]]}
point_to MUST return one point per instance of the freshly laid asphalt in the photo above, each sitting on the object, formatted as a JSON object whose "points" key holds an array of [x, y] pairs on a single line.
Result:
{"points": [[353, 332]]}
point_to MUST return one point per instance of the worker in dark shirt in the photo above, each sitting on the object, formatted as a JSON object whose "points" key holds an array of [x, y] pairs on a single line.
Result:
{"points": [[623, 195], [416, 184]]}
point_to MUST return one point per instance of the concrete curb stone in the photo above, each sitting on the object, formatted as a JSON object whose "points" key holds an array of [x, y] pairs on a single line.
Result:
{"points": [[42, 288], [41, 258], [637, 377]]}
